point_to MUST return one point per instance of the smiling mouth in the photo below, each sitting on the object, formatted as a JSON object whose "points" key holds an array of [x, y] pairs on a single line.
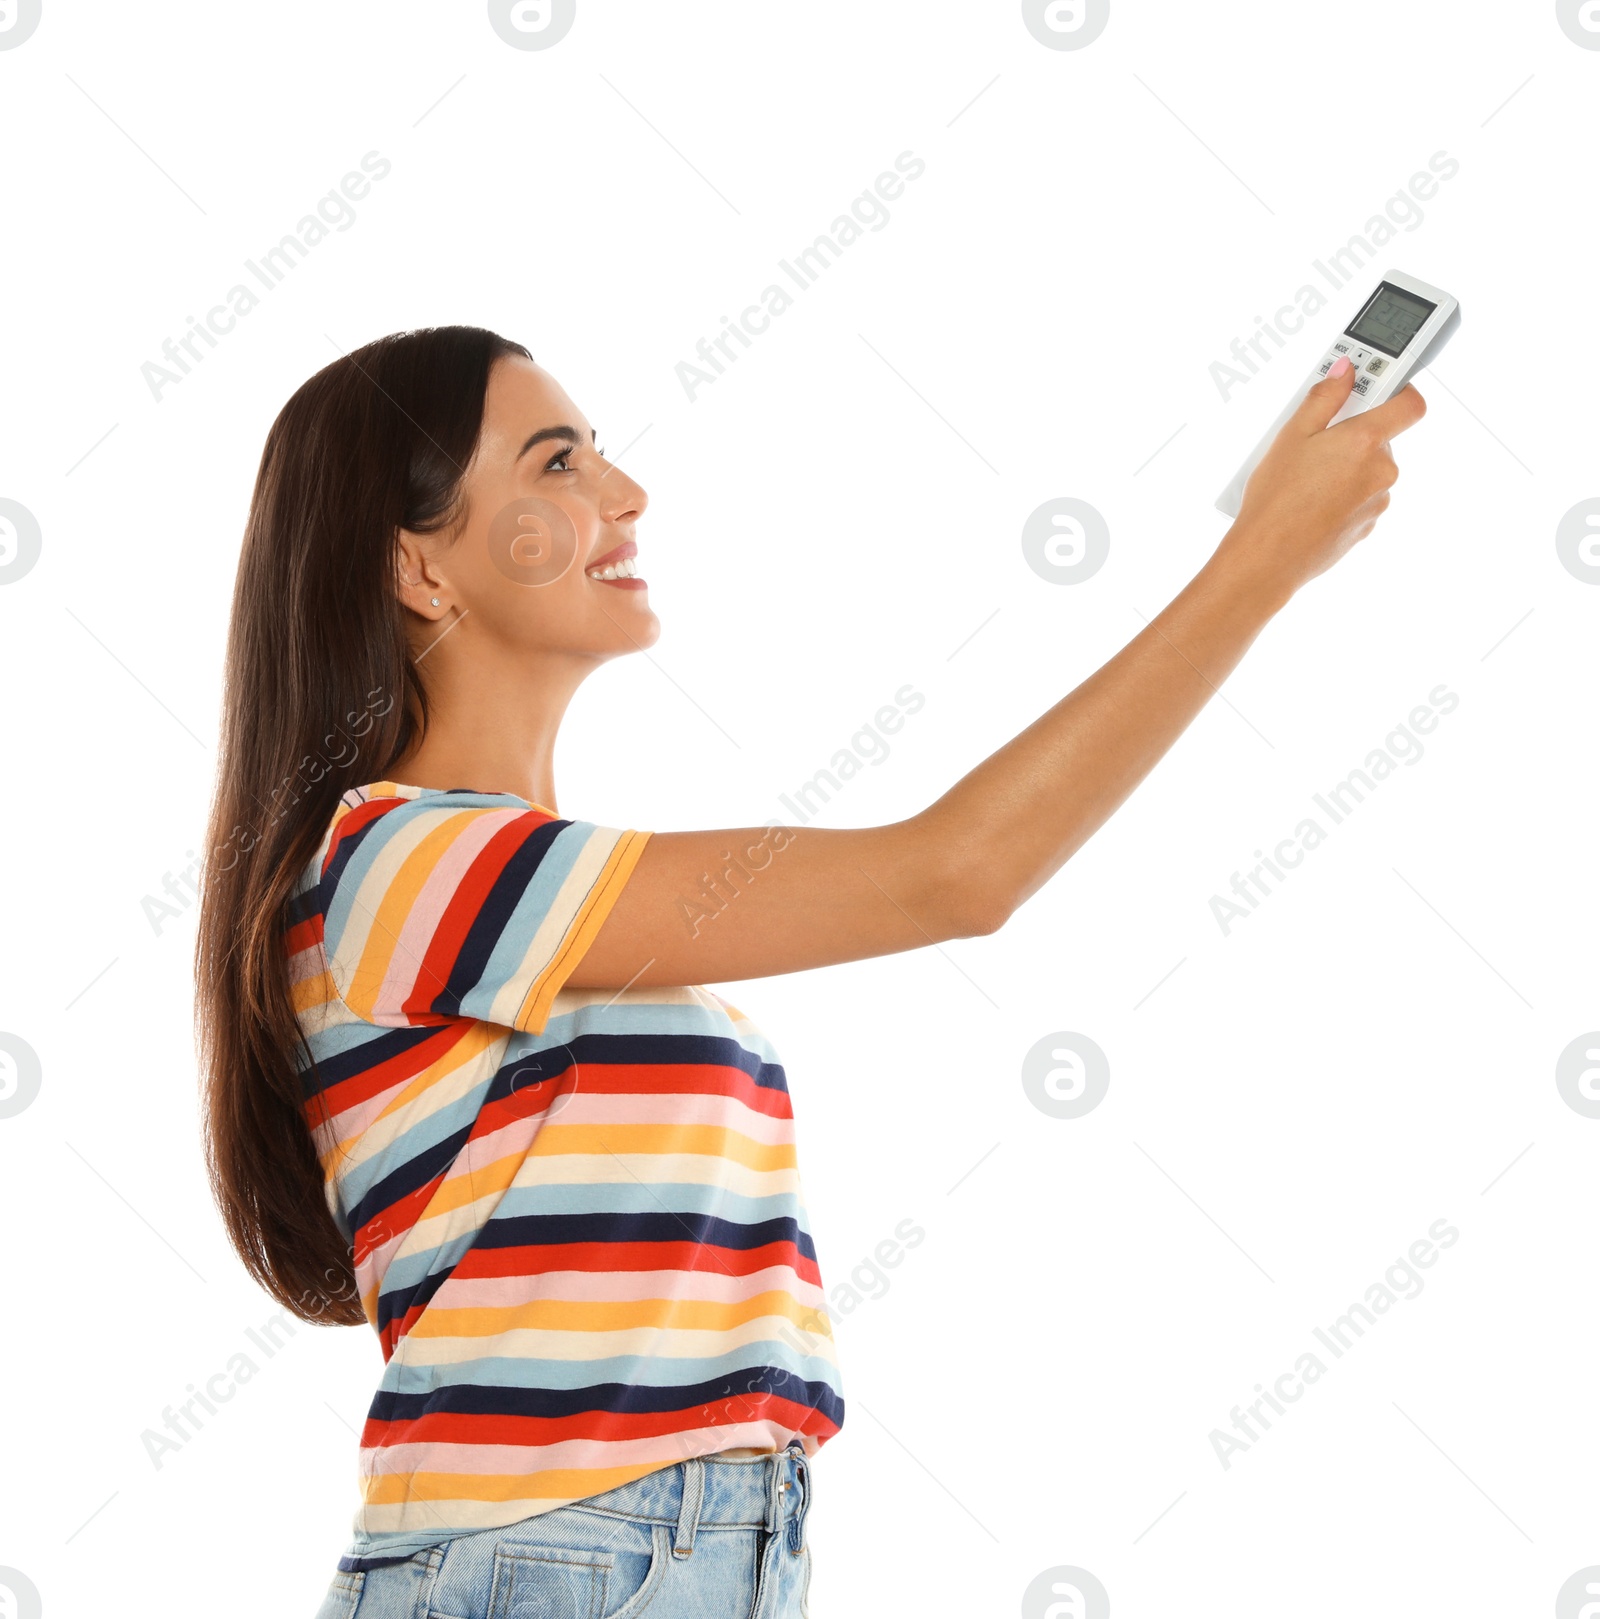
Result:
{"points": [[617, 567], [622, 568]]}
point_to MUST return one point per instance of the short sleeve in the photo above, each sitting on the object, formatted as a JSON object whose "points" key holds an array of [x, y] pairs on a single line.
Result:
{"points": [[457, 904]]}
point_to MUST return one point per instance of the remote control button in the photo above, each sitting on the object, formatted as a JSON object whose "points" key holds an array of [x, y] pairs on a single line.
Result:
{"points": [[1360, 358], [1324, 368], [1363, 382], [1341, 348], [1375, 366]]}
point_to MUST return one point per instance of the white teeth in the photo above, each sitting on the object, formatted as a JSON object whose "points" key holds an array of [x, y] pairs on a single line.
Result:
{"points": [[625, 569]]}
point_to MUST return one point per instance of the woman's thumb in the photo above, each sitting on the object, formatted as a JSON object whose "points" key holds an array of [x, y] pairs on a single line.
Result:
{"points": [[1322, 404]]}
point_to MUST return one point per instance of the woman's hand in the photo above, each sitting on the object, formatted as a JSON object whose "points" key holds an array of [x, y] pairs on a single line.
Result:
{"points": [[1319, 489], [709, 907]]}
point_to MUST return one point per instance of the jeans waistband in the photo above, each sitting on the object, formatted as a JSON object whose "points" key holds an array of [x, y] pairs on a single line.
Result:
{"points": [[770, 1492]]}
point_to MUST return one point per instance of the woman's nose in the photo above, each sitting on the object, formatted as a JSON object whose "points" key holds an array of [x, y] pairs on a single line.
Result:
{"points": [[622, 498]]}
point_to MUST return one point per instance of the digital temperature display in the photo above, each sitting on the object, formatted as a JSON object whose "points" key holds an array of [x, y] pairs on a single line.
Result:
{"points": [[1390, 320]]}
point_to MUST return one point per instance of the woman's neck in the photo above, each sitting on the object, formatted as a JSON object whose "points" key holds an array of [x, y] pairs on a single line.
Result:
{"points": [[493, 733]]}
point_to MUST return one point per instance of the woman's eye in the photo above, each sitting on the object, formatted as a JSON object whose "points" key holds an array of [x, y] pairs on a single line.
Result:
{"points": [[555, 465]]}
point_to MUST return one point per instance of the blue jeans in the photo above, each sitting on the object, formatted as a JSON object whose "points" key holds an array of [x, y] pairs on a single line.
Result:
{"points": [[710, 1538]]}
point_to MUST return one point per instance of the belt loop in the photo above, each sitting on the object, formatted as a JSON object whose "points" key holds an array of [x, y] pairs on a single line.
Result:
{"points": [[694, 1491], [802, 1483], [773, 1468]]}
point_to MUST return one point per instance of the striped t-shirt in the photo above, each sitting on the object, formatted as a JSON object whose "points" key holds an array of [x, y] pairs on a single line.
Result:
{"points": [[576, 1218]]}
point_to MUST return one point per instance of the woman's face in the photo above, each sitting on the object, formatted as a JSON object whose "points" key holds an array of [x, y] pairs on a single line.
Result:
{"points": [[547, 519]]}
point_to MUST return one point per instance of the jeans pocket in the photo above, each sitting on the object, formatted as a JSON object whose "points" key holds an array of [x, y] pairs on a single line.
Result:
{"points": [[567, 1583], [343, 1596], [636, 1576]]}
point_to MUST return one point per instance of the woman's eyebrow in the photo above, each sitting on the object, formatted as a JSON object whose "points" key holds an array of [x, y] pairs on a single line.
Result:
{"points": [[554, 432]]}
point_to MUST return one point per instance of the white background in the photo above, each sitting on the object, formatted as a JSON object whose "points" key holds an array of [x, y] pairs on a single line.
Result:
{"points": [[836, 517]]}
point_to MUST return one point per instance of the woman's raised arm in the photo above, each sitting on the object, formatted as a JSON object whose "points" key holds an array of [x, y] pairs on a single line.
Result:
{"points": [[751, 902]]}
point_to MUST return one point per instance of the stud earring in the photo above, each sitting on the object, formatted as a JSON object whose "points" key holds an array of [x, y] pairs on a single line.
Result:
{"points": [[433, 601]]}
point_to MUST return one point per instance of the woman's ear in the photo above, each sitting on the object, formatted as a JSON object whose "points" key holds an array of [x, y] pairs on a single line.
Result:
{"points": [[418, 582]]}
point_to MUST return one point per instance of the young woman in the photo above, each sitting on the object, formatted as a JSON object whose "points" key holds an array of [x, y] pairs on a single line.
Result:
{"points": [[461, 1082]]}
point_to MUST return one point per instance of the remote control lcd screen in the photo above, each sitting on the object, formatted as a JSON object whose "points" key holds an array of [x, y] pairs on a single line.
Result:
{"points": [[1390, 320]]}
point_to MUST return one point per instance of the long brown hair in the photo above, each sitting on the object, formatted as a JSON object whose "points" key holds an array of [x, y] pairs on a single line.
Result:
{"points": [[320, 694]]}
